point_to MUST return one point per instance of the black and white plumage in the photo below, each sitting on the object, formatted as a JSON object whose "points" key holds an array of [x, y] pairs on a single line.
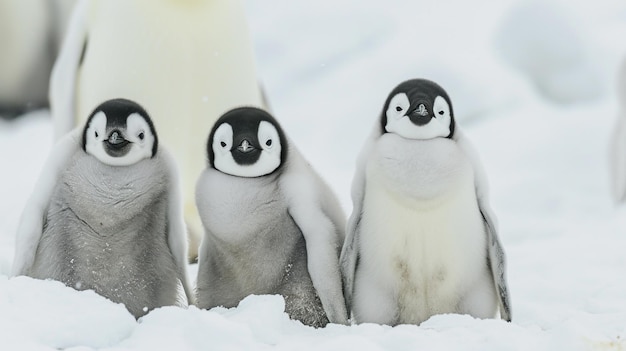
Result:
{"points": [[106, 214], [421, 239], [272, 226]]}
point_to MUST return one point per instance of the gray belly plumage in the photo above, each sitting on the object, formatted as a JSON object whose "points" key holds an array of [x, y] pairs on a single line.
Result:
{"points": [[255, 247], [116, 244]]}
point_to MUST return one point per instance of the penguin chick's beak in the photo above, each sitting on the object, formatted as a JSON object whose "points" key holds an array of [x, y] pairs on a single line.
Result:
{"points": [[420, 116], [245, 147], [116, 140]]}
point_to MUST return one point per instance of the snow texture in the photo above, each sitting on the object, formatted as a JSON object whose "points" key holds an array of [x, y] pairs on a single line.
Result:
{"points": [[327, 68]]}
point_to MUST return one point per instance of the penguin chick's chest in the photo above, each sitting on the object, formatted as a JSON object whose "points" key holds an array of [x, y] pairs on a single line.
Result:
{"points": [[106, 223], [422, 231], [251, 238], [239, 210]]}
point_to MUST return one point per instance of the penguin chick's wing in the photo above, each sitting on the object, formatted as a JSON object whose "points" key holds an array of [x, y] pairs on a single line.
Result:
{"points": [[322, 236], [618, 160], [349, 253], [33, 217], [64, 72], [176, 232], [496, 258]]}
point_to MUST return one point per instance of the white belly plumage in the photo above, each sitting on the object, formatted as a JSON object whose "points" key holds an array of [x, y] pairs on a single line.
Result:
{"points": [[423, 252]]}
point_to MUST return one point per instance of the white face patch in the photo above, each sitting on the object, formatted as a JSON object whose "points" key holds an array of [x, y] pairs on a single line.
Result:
{"points": [[398, 121], [222, 143], [442, 112], [398, 107], [137, 132], [268, 161]]}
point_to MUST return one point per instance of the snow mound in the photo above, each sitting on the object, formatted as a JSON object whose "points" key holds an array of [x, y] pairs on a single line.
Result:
{"points": [[545, 43], [49, 313]]}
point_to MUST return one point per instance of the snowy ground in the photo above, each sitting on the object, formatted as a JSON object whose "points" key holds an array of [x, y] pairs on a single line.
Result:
{"points": [[533, 88]]}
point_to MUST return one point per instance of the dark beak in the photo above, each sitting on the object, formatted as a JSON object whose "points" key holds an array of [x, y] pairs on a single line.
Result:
{"points": [[245, 146], [116, 140], [246, 153], [420, 115]]}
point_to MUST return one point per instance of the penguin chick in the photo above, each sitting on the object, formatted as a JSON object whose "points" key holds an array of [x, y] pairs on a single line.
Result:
{"points": [[421, 239], [106, 214], [272, 226]]}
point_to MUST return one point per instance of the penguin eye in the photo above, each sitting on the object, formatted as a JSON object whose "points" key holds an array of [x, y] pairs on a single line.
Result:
{"points": [[398, 108], [268, 142], [441, 112], [223, 144], [141, 136], [96, 134]]}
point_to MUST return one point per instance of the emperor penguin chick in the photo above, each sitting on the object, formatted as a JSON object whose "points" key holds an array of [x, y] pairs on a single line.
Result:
{"points": [[106, 214], [421, 239], [272, 226]]}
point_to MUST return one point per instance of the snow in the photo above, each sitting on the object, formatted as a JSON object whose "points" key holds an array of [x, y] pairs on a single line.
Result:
{"points": [[327, 68], [22, 300]]}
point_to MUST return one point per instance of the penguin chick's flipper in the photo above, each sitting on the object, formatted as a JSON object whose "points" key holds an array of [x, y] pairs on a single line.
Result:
{"points": [[496, 257], [323, 238], [349, 253], [32, 221], [176, 233]]}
